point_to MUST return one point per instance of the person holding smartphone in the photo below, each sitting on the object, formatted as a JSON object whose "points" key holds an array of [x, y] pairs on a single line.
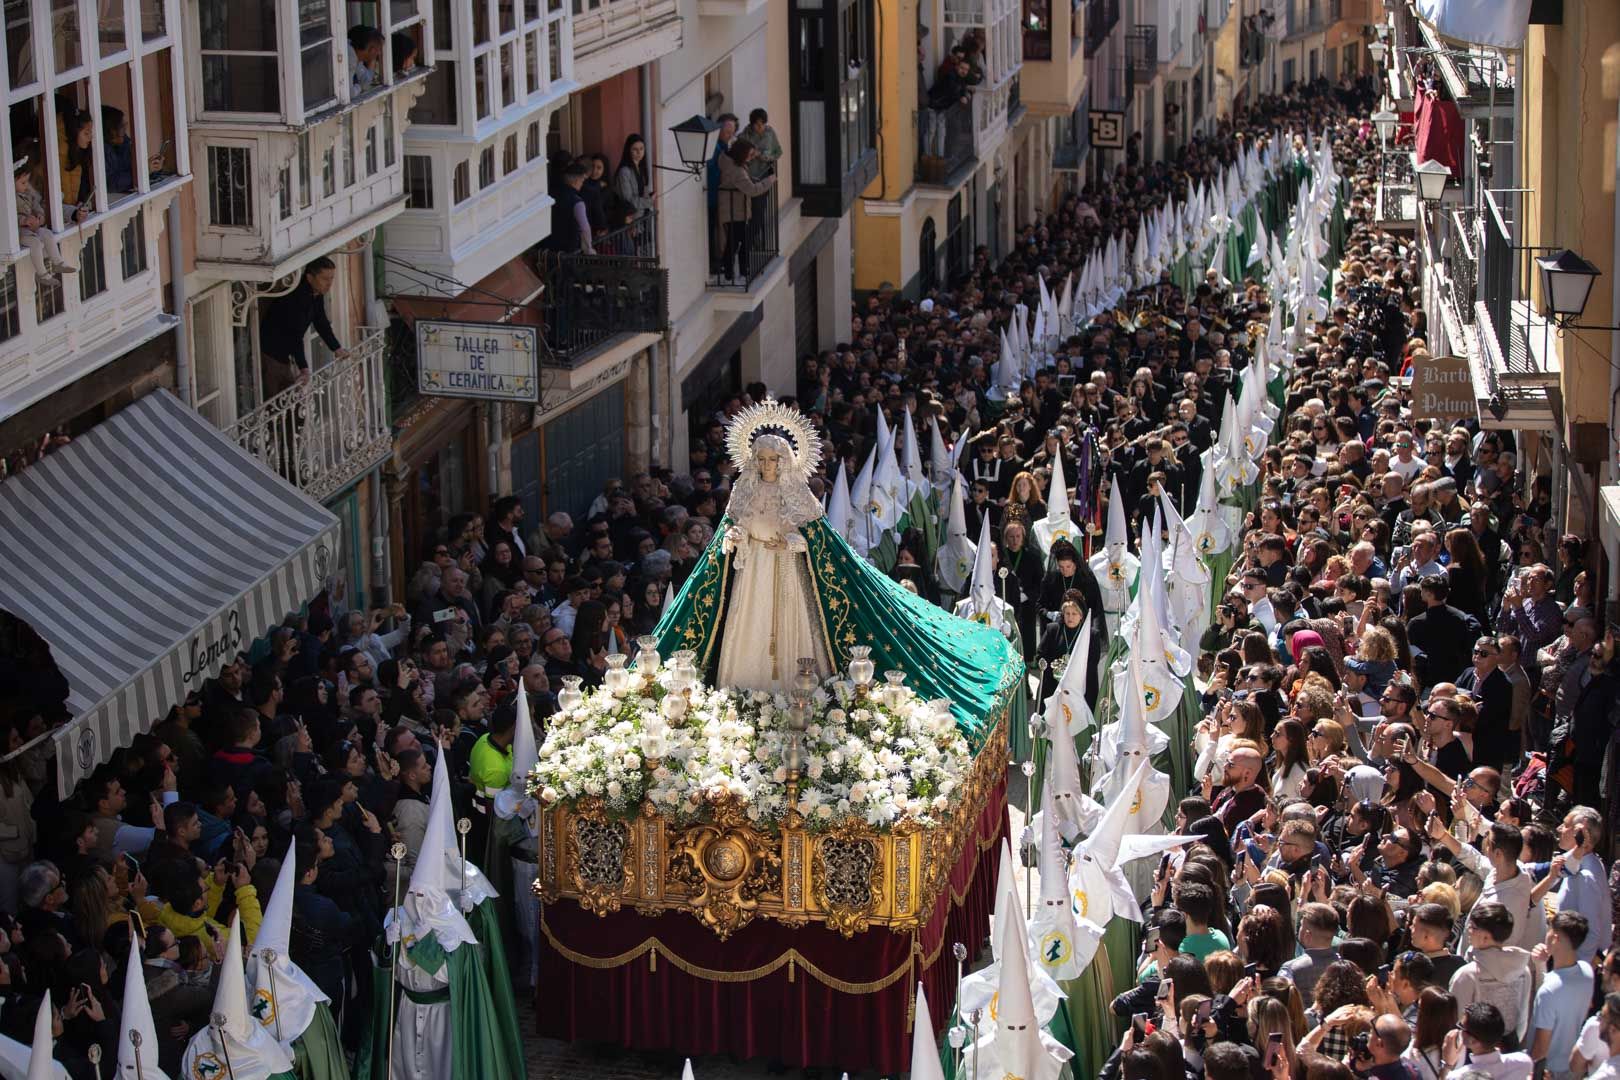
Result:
{"points": [[1577, 881]]}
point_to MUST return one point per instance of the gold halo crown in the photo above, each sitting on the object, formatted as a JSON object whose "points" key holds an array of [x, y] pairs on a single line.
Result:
{"points": [[771, 417]]}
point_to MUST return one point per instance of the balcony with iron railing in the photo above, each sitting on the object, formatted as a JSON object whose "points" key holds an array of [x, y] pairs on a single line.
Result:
{"points": [[1142, 52], [324, 433], [1485, 313], [1101, 18], [744, 238], [592, 299], [946, 146], [1396, 202]]}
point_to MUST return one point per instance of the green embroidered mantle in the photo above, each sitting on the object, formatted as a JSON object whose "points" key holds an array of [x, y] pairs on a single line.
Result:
{"points": [[943, 656]]}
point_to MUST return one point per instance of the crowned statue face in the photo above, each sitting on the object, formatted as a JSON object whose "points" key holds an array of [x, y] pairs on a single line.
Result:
{"points": [[769, 454]]}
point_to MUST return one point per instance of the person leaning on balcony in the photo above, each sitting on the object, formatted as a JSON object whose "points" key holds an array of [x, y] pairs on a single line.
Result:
{"points": [[365, 58], [632, 183], [287, 319], [737, 189], [767, 147], [570, 224]]}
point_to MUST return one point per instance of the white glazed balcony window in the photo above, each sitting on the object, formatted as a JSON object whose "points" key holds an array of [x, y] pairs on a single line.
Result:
{"points": [[93, 76], [316, 61]]}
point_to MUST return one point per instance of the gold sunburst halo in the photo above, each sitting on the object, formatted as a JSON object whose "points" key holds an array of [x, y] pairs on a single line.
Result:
{"points": [[773, 418]]}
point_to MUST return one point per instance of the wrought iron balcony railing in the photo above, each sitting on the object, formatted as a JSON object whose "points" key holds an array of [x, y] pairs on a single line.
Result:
{"points": [[743, 238], [591, 299], [1142, 50], [945, 142], [1101, 18], [326, 432]]}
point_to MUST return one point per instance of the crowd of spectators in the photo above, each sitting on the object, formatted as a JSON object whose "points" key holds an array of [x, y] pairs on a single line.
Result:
{"points": [[1409, 703]]}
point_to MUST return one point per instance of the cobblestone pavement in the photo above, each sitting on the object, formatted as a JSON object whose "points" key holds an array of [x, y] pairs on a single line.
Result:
{"points": [[549, 1059]]}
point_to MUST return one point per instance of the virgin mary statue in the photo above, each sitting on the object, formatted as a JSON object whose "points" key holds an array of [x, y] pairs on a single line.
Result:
{"points": [[772, 599], [777, 587]]}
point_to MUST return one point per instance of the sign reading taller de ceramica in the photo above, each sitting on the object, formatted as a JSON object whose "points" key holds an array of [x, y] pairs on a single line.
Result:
{"points": [[1443, 389], [489, 361]]}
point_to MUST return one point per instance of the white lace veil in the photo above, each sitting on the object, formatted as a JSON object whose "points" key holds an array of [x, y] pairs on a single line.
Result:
{"points": [[788, 498]]}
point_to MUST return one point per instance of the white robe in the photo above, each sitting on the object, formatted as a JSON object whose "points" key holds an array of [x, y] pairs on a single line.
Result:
{"points": [[771, 618], [421, 1032]]}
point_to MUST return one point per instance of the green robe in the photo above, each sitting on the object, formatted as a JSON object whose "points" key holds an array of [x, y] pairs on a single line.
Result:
{"points": [[943, 656], [317, 1053], [486, 1044]]}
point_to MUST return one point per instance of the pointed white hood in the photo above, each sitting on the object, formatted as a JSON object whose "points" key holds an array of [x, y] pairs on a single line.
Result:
{"points": [[888, 484], [1097, 878], [428, 907], [983, 603], [924, 1054], [1211, 535], [289, 1006], [41, 1066], [839, 511], [137, 1018], [1114, 565], [1057, 524], [940, 463], [513, 800], [1063, 946], [980, 989], [911, 466], [1067, 714], [953, 562], [249, 1051], [863, 533]]}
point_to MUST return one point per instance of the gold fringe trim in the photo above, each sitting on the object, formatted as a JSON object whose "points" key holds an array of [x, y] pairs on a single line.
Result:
{"points": [[790, 959]]}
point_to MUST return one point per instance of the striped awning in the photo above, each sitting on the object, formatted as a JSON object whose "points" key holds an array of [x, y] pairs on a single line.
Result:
{"points": [[148, 553]]}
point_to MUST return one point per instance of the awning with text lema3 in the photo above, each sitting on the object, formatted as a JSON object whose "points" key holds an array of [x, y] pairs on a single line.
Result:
{"points": [[148, 553]]}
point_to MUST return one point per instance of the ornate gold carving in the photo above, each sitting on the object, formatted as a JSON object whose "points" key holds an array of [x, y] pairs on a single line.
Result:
{"points": [[548, 857], [847, 871], [727, 867], [728, 872], [652, 832], [902, 874], [600, 859], [795, 871]]}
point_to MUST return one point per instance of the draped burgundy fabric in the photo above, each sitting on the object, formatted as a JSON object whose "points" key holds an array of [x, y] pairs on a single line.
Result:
{"points": [[799, 1020], [1439, 132]]}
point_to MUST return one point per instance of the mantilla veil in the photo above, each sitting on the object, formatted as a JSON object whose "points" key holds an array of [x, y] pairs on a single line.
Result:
{"points": [[850, 601]]}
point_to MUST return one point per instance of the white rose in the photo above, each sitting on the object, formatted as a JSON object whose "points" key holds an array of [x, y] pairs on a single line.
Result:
{"points": [[761, 754], [836, 716], [824, 812], [815, 769], [632, 762], [780, 775], [548, 794], [614, 789], [835, 758]]}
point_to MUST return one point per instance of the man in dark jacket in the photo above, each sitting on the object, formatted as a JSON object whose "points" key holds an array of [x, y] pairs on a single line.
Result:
{"points": [[286, 319], [240, 765], [322, 932], [1445, 634]]}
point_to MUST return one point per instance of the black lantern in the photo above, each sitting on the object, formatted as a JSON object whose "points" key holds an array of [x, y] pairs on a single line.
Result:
{"points": [[1566, 282], [694, 142]]}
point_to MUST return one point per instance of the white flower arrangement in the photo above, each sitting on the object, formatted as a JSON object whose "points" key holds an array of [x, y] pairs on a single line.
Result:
{"points": [[879, 757]]}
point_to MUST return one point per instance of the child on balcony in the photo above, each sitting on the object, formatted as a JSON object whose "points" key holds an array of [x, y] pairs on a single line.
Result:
{"points": [[33, 222]]}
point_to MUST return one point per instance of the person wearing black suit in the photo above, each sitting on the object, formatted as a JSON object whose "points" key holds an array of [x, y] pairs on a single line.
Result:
{"points": [[1444, 634]]}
